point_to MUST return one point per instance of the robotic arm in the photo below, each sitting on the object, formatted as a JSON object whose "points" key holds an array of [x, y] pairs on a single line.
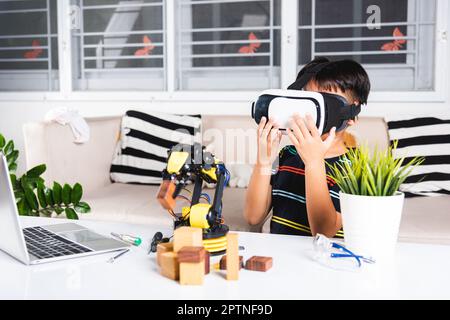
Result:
{"points": [[192, 163]]}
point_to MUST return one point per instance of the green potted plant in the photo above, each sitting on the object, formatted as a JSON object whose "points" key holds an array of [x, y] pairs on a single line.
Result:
{"points": [[371, 204], [34, 198]]}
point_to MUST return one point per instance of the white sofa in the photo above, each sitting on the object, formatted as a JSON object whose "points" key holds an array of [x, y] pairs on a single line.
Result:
{"points": [[424, 219]]}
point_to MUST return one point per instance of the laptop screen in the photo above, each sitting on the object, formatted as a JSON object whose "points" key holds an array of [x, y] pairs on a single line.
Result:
{"points": [[11, 236]]}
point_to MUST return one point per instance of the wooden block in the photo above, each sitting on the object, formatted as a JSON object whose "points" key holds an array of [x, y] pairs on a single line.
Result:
{"points": [[169, 265], [191, 254], [232, 261], [187, 237], [207, 262], [223, 262], [165, 195], [192, 273], [257, 263], [161, 248]]}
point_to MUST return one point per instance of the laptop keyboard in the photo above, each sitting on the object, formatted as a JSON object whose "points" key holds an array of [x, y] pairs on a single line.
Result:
{"points": [[45, 244]]}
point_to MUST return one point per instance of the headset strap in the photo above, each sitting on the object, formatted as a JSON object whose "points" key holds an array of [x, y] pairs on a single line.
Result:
{"points": [[303, 79], [346, 113], [351, 112]]}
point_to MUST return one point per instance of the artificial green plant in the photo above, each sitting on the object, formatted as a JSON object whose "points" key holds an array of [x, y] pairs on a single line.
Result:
{"points": [[33, 197], [377, 174]]}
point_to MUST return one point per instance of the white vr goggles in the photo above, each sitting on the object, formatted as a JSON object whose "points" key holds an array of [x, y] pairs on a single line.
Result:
{"points": [[327, 110]]}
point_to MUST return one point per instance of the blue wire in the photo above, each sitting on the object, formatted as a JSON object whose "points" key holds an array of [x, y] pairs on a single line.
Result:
{"points": [[208, 198]]}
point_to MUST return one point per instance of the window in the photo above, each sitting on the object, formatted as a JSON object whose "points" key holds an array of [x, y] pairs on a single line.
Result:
{"points": [[167, 50], [228, 45], [398, 52], [28, 46], [118, 44]]}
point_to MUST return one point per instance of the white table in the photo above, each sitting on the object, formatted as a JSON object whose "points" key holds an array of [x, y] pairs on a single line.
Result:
{"points": [[419, 271]]}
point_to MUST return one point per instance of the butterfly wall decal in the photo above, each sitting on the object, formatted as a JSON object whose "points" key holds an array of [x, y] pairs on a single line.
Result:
{"points": [[397, 43], [33, 54], [147, 49], [253, 46]]}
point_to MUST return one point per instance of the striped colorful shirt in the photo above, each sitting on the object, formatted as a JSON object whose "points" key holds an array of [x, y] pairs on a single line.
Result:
{"points": [[289, 214]]}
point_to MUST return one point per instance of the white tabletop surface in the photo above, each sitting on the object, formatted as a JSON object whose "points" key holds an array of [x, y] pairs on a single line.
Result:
{"points": [[420, 271]]}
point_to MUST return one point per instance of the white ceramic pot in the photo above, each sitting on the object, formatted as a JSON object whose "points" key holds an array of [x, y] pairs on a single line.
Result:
{"points": [[371, 224]]}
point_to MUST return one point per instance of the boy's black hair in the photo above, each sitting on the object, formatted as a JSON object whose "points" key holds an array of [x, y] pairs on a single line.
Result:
{"points": [[347, 75]]}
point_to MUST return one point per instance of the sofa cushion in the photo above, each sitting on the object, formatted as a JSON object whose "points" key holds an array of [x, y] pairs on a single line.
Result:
{"points": [[426, 220], [126, 203], [145, 139], [137, 204]]}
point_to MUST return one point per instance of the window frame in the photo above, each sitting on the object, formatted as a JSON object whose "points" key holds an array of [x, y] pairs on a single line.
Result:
{"points": [[237, 99]]}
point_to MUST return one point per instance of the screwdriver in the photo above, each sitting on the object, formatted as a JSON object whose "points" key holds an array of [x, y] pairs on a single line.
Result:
{"points": [[112, 259], [127, 238]]}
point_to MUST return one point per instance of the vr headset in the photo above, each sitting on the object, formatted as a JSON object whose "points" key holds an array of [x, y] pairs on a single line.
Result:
{"points": [[327, 110]]}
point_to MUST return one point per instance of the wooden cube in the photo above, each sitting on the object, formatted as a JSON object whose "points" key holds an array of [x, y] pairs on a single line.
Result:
{"points": [[257, 263], [161, 248], [232, 261], [187, 237], [223, 262], [169, 265], [191, 254], [192, 273]]}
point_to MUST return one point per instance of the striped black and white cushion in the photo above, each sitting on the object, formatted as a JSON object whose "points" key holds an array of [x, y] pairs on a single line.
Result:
{"points": [[141, 153], [428, 137]]}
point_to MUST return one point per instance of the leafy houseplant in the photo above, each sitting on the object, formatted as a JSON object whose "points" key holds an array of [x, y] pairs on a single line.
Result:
{"points": [[371, 204], [33, 197], [378, 175]]}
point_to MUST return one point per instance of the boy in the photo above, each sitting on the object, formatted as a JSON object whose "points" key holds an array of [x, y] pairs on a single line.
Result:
{"points": [[304, 200]]}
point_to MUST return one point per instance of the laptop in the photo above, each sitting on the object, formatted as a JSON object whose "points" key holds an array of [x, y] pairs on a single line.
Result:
{"points": [[41, 244]]}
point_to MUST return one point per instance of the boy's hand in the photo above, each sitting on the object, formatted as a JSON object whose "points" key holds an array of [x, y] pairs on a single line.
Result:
{"points": [[268, 142], [306, 139]]}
